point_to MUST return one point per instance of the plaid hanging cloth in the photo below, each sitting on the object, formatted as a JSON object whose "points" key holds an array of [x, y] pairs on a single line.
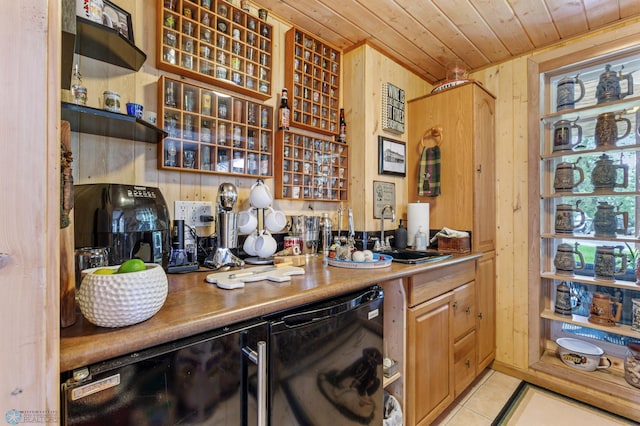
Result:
{"points": [[429, 172]]}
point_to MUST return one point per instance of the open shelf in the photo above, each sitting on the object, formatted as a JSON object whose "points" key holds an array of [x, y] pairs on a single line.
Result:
{"points": [[96, 121], [100, 42]]}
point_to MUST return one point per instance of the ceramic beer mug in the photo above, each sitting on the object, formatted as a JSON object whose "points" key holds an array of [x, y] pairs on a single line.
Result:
{"points": [[606, 133], [563, 135], [602, 310], [606, 264], [567, 299], [565, 261], [565, 217], [565, 177], [605, 220], [566, 93], [604, 175], [608, 89]]}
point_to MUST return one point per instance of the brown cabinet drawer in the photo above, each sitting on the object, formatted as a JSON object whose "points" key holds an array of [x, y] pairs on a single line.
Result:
{"points": [[464, 309], [434, 282], [464, 364]]}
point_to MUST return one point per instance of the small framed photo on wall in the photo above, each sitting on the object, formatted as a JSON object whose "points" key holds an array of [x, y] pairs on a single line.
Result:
{"points": [[392, 157], [118, 19]]}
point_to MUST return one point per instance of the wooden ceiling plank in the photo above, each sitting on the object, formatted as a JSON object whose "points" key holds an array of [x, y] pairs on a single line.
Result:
{"points": [[629, 8], [474, 27], [601, 12], [446, 34], [569, 18], [503, 21], [536, 20]]}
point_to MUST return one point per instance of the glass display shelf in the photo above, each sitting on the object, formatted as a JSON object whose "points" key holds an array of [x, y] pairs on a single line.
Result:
{"points": [[587, 279], [84, 119], [621, 329]]}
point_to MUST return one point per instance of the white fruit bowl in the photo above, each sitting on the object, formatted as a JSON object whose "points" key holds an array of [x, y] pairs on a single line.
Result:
{"points": [[119, 300]]}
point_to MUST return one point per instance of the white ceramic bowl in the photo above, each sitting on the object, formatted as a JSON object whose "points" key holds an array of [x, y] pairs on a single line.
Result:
{"points": [[582, 355], [119, 300]]}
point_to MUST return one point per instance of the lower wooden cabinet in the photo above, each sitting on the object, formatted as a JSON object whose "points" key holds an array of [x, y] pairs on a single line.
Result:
{"points": [[429, 359], [450, 334]]}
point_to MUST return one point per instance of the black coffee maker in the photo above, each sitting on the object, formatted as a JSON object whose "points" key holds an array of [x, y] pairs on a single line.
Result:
{"points": [[131, 221]]}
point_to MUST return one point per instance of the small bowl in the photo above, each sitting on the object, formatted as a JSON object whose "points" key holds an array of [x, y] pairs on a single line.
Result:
{"points": [[582, 355], [119, 300]]}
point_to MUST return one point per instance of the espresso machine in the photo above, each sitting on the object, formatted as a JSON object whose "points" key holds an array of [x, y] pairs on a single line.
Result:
{"points": [[226, 229]]}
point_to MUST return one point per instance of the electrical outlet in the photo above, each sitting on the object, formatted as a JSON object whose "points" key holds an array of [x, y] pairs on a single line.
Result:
{"points": [[190, 212]]}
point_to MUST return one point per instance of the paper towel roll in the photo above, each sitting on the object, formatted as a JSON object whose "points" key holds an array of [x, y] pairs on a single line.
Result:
{"points": [[417, 216]]}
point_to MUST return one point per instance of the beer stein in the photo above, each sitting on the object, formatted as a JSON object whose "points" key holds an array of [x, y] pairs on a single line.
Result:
{"points": [[567, 299], [605, 220], [605, 262], [608, 89], [604, 175], [565, 218], [565, 178], [566, 93], [563, 137], [565, 261], [606, 133], [602, 310]]}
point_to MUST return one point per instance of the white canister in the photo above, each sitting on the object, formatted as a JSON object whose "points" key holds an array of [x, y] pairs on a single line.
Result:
{"points": [[111, 101]]}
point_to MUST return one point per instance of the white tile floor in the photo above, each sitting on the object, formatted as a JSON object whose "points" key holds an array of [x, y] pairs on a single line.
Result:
{"points": [[481, 403]]}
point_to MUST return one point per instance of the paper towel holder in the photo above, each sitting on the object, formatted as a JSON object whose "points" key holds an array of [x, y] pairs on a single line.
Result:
{"points": [[432, 133]]}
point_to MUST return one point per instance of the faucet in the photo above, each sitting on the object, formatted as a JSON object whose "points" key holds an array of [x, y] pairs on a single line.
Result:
{"points": [[385, 245]]}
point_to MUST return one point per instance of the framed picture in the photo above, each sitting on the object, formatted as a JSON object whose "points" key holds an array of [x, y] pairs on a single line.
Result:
{"points": [[392, 157], [117, 18], [383, 193]]}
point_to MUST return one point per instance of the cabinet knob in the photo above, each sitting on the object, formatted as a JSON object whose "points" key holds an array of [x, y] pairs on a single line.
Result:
{"points": [[468, 363], [468, 311], [480, 315], [455, 305]]}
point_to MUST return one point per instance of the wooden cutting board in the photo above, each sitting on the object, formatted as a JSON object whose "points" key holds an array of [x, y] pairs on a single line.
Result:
{"points": [[236, 279]]}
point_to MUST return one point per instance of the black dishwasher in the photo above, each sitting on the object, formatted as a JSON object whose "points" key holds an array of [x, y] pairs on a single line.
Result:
{"points": [[325, 362]]}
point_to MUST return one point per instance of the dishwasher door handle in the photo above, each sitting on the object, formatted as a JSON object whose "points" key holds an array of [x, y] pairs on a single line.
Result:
{"points": [[260, 359]]}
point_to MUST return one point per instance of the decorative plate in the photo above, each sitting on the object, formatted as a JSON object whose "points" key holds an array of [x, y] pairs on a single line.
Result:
{"points": [[449, 84], [379, 261]]}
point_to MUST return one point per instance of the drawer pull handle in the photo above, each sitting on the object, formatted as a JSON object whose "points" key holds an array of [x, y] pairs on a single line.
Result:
{"points": [[468, 363]]}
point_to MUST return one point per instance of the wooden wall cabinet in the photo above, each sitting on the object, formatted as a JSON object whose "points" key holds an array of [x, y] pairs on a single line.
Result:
{"points": [[311, 167], [466, 115], [211, 132], [217, 43], [312, 72]]}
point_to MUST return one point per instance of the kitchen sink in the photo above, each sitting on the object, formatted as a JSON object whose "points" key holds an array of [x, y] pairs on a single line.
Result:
{"points": [[416, 256]]}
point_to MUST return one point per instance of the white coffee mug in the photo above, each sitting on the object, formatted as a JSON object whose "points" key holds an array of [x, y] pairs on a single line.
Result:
{"points": [[247, 221], [260, 196], [265, 245], [275, 220], [249, 245]]}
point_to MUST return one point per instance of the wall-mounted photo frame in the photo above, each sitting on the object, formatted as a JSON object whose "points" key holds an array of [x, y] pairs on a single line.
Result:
{"points": [[392, 157], [383, 193], [117, 18]]}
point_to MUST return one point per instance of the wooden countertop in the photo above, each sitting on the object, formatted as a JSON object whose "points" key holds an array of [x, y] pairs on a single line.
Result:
{"points": [[194, 306]]}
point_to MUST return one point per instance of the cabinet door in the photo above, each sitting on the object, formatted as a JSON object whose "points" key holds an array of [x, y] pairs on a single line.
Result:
{"points": [[464, 309], [484, 158], [429, 359], [486, 306]]}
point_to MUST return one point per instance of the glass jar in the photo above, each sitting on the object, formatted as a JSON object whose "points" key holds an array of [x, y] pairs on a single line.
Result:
{"points": [[632, 364]]}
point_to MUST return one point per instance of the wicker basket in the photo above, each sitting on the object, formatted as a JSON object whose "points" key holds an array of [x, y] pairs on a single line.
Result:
{"points": [[454, 245]]}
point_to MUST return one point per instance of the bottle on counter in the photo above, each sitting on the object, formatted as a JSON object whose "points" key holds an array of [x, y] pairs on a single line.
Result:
{"points": [[421, 240], [284, 112], [342, 136], [401, 236], [326, 226]]}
